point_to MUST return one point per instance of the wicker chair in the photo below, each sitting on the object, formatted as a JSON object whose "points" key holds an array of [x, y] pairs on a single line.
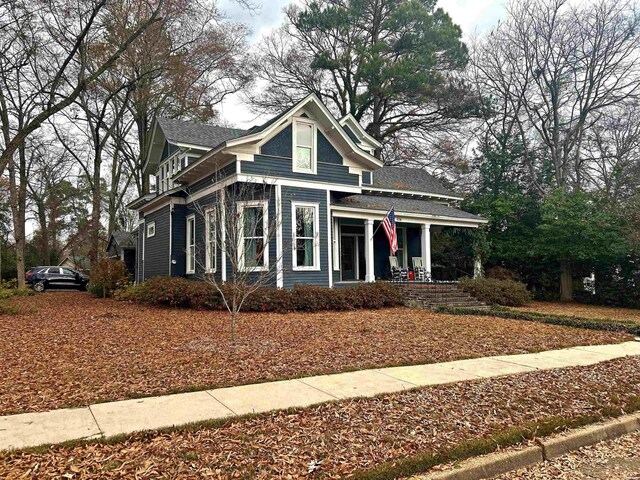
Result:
{"points": [[398, 274], [420, 271]]}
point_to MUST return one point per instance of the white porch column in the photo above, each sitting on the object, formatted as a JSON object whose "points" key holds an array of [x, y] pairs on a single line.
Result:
{"points": [[425, 242], [368, 250]]}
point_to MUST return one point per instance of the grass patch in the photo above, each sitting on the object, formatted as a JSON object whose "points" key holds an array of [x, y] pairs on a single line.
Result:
{"points": [[604, 324]]}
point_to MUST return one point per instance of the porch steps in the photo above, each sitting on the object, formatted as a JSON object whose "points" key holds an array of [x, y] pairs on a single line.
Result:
{"points": [[432, 295]]}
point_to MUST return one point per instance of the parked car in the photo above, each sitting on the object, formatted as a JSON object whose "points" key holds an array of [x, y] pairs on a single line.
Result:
{"points": [[44, 277]]}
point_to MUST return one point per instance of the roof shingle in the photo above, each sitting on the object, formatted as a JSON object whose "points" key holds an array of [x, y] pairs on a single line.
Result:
{"points": [[210, 136], [405, 178], [404, 205]]}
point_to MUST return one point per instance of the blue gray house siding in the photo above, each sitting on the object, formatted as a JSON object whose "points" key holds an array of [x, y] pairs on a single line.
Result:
{"points": [[276, 160], [156, 254], [140, 253], [292, 277], [178, 240], [220, 174]]}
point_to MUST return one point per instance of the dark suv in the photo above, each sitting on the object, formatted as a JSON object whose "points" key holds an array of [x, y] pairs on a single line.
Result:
{"points": [[41, 278]]}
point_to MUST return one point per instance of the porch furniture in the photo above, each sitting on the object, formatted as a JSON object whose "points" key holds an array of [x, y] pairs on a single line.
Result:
{"points": [[398, 274], [420, 271]]}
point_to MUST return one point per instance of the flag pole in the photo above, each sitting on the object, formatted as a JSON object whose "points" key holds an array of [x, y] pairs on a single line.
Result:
{"points": [[380, 224]]}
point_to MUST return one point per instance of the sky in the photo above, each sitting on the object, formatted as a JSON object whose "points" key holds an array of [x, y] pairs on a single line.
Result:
{"points": [[472, 16]]}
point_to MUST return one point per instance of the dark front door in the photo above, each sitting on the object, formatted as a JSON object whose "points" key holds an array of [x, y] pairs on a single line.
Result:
{"points": [[348, 258]]}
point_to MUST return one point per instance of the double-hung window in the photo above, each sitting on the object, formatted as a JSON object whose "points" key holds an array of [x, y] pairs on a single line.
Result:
{"points": [[210, 225], [253, 248], [306, 245], [304, 151], [191, 244]]}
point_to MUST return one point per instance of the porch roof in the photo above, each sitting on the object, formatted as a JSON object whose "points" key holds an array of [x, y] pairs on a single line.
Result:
{"points": [[405, 205]]}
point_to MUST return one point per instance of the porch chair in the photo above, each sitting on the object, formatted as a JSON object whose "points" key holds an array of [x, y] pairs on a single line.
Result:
{"points": [[398, 274], [420, 271]]}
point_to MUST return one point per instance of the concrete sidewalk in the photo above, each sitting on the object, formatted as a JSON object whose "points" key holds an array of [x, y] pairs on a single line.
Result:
{"points": [[114, 418]]}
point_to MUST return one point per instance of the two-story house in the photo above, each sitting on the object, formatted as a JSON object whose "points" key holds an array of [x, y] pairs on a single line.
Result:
{"points": [[324, 179]]}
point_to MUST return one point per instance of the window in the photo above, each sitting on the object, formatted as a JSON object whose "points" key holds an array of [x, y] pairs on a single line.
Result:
{"points": [[166, 171], [254, 251], [304, 155], [191, 244], [68, 271], [151, 229], [306, 247], [210, 219]]}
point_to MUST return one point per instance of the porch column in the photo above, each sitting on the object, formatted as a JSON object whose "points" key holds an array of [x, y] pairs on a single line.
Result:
{"points": [[368, 250], [425, 242]]}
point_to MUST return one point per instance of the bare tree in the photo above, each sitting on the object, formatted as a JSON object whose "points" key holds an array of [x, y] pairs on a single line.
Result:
{"points": [[240, 228], [612, 153], [552, 70], [44, 52]]}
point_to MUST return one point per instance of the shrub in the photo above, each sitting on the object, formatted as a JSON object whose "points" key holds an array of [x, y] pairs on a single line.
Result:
{"points": [[179, 292], [501, 273], [15, 292], [107, 275], [497, 292]]}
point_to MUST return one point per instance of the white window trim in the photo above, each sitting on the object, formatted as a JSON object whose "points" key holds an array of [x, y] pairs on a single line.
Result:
{"points": [[189, 240], [316, 236], [211, 260], [151, 229], [314, 146], [265, 234]]}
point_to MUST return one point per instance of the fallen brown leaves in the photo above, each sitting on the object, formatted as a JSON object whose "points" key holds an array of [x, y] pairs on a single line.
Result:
{"points": [[582, 310], [68, 348], [614, 460], [346, 436]]}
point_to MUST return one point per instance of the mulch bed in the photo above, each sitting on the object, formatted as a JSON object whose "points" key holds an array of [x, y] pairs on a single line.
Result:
{"points": [[68, 348], [344, 437], [582, 310]]}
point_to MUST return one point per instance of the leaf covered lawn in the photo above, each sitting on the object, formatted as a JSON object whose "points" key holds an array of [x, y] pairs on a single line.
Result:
{"points": [[583, 310], [345, 437], [68, 348]]}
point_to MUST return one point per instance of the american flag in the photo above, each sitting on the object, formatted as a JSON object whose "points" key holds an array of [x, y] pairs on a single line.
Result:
{"points": [[389, 225]]}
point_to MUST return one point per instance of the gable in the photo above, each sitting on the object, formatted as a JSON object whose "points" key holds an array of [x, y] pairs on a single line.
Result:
{"points": [[280, 145]]}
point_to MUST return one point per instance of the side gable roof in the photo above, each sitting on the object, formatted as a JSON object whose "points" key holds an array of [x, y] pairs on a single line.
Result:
{"points": [[352, 124], [410, 179], [185, 134], [209, 136]]}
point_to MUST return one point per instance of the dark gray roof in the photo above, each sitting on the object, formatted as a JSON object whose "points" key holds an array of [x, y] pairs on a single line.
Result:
{"points": [[403, 205], [125, 239], [177, 131], [405, 178]]}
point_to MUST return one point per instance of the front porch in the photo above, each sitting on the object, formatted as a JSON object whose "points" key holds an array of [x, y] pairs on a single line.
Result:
{"points": [[354, 238], [360, 248]]}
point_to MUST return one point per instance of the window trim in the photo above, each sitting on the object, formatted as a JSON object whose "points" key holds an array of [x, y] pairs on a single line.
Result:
{"points": [[151, 226], [316, 237], [240, 206], [190, 242], [314, 146], [211, 254]]}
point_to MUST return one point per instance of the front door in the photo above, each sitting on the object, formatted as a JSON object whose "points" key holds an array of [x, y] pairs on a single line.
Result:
{"points": [[348, 258]]}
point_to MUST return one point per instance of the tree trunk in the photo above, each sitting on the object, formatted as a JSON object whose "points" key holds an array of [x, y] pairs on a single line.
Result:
{"points": [[44, 232], [18, 203], [566, 281]]}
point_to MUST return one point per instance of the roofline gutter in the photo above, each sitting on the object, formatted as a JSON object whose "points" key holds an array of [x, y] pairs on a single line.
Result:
{"points": [[409, 192], [400, 213]]}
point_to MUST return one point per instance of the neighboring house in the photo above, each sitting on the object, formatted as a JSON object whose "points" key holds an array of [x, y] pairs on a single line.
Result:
{"points": [[322, 170], [80, 263], [122, 245]]}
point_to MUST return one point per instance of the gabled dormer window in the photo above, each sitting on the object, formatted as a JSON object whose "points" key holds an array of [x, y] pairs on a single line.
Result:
{"points": [[304, 146]]}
